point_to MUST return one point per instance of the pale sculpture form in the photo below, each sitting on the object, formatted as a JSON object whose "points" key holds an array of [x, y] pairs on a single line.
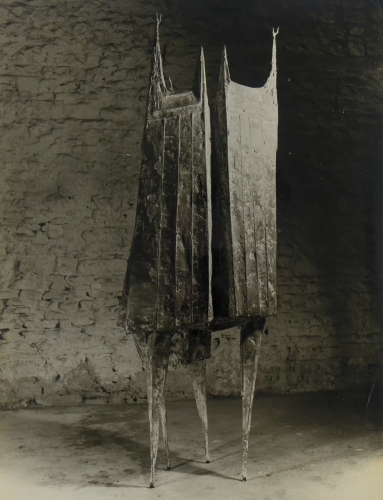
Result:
{"points": [[245, 125], [168, 287]]}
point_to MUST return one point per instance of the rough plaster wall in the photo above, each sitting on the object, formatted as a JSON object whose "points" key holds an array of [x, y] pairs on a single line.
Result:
{"points": [[74, 79]]}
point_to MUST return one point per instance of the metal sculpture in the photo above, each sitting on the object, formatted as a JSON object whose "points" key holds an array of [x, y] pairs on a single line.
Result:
{"points": [[169, 280], [167, 288], [245, 131]]}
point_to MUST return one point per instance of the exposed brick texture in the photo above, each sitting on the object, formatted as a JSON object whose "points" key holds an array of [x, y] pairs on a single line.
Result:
{"points": [[73, 86]]}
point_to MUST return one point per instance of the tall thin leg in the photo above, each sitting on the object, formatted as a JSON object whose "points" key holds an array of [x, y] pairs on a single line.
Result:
{"points": [[251, 337], [155, 349], [164, 425], [198, 375]]}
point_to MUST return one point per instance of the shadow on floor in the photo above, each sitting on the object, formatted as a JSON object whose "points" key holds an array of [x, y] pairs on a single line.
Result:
{"points": [[109, 445]]}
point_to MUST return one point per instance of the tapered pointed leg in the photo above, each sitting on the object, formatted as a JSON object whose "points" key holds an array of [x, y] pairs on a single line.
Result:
{"points": [[153, 415], [158, 360], [164, 426], [154, 348], [198, 375], [251, 337]]}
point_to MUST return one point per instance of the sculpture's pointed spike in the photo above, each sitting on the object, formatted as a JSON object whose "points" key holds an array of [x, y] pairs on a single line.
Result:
{"points": [[158, 19], [274, 56], [199, 87], [225, 64], [157, 70], [202, 56], [157, 86], [273, 74], [224, 74]]}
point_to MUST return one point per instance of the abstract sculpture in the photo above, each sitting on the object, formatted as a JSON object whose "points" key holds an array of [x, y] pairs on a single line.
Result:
{"points": [[245, 130], [167, 287]]}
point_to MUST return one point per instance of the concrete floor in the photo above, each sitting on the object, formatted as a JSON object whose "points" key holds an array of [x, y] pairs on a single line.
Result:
{"points": [[321, 446]]}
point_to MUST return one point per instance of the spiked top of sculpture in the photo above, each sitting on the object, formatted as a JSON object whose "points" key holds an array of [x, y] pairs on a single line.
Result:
{"points": [[245, 125], [167, 285]]}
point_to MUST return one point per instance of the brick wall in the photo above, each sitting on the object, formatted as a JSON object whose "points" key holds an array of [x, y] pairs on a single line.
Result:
{"points": [[73, 87]]}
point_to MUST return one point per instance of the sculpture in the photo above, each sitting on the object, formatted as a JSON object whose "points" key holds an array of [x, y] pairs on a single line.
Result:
{"points": [[245, 131], [167, 288]]}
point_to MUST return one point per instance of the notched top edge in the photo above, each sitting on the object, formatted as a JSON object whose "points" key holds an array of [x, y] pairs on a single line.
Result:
{"points": [[225, 79], [162, 97]]}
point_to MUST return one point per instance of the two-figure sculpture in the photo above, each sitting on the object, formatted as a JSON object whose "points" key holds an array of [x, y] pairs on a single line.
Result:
{"points": [[203, 254]]}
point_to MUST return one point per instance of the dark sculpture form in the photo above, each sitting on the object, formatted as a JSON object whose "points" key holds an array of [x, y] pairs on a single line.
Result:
{"points": [[245, 132], [167, 287]]}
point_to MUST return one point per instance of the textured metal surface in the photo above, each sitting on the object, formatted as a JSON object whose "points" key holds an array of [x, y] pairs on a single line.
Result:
{"points": [[167, 284], [244, 197]]}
